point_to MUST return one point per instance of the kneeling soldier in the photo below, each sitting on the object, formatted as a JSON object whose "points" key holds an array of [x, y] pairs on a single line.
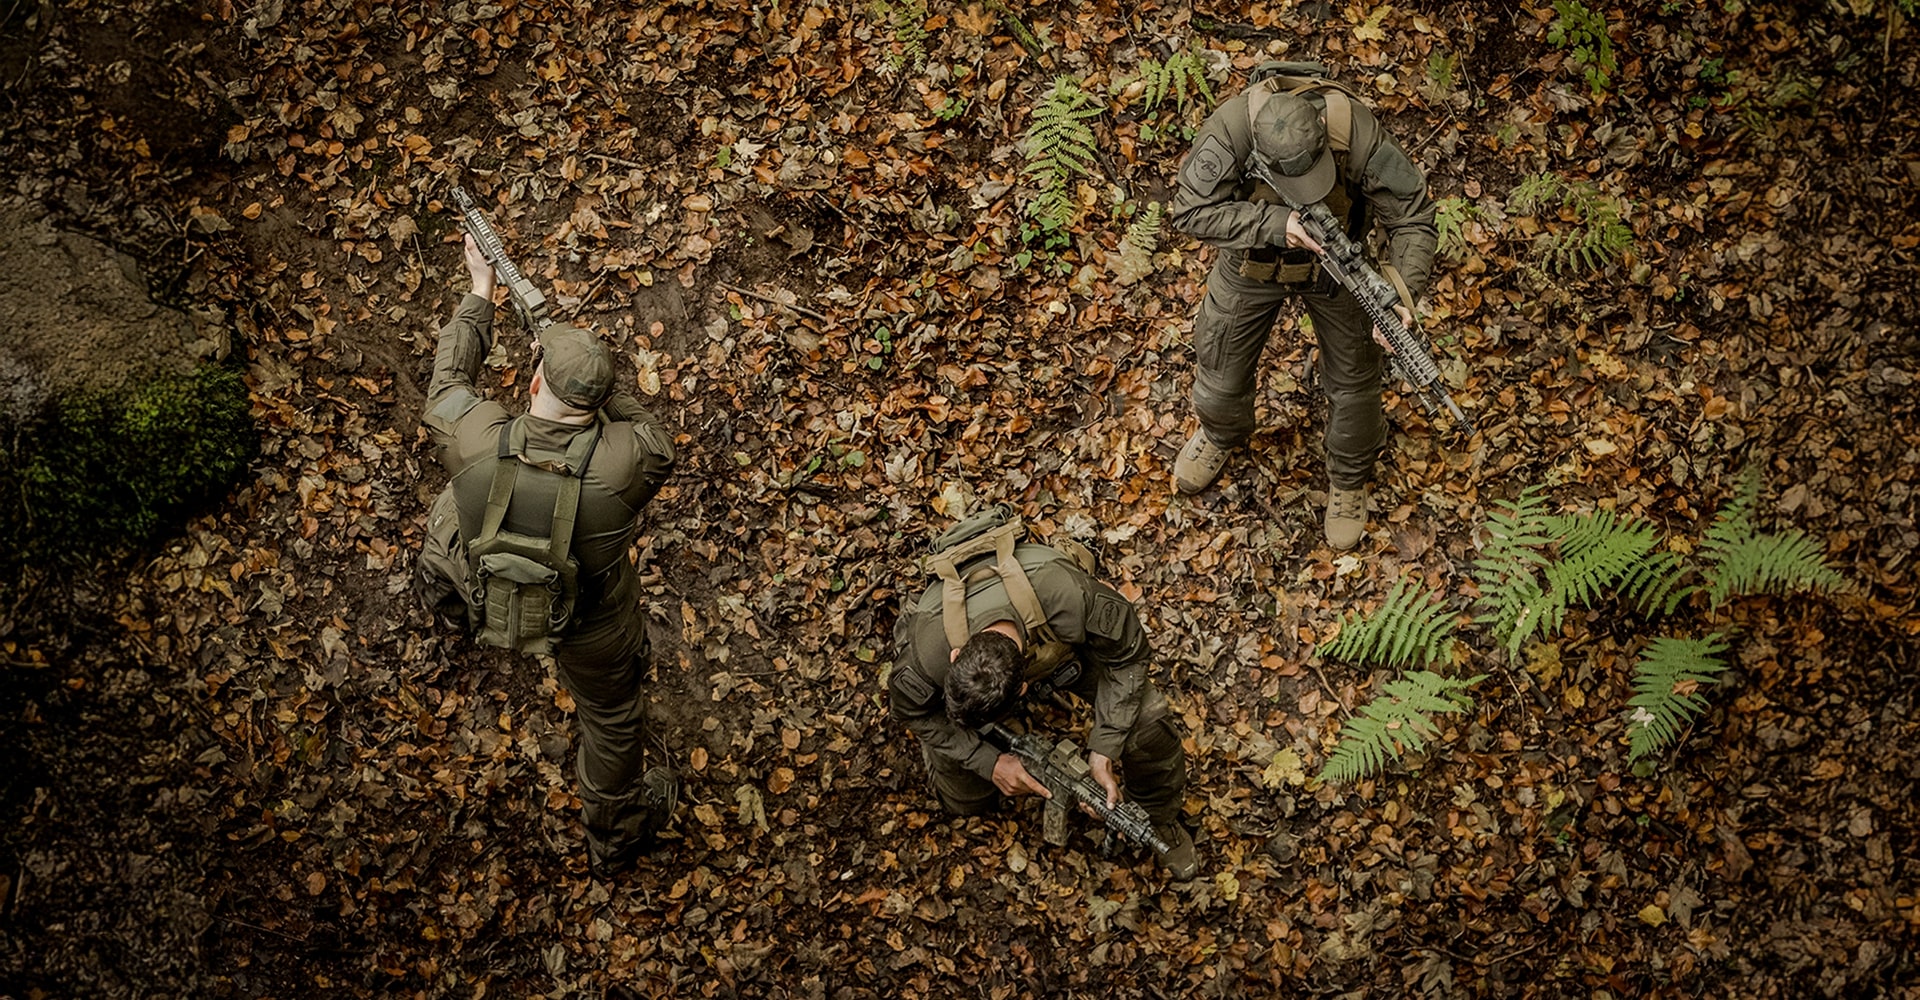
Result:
{"points": [[1006, 615]]}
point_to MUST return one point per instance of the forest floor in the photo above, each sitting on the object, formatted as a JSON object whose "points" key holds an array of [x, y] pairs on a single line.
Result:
{"points": [[244, 765]]}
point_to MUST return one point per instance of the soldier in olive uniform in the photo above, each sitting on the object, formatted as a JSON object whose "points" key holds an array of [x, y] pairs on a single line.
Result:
{"points": [[577, 426], [941, 693], [1318, 143]]}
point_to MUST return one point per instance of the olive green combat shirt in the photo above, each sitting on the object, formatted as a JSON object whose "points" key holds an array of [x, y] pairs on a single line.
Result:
{"points": [[1092, 618], [629, 463], [1212, 203]]}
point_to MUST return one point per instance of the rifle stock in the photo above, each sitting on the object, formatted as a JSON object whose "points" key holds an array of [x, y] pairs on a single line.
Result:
{"points": [[527, 300]]}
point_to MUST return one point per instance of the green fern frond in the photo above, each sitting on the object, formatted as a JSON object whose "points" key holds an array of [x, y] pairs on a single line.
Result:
{"points": [[1183, 76], [1667, 680], [1654, 585], [1516, 530], [1511, 598], [1450, 217], [1399, 720], [1740, 559], [1059, 146], [1733, 522], [1535, 192], [1410, 627], [1778, 563], [1135, 257], [1597, 550]]}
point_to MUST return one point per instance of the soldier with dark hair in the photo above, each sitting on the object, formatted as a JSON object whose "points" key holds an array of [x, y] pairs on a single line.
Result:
{"points": [[529, 542], [1317, 143], [1021, 614]]}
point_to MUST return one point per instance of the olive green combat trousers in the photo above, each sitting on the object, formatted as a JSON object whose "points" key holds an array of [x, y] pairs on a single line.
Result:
{"points": [[1152, 766], [1229, 334], [602, 662]]}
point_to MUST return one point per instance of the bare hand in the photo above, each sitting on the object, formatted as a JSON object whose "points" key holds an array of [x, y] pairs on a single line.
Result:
{"points": [[1011, 777], [479, 270], [1102, 766], [1406, 320], [1297, 235]]}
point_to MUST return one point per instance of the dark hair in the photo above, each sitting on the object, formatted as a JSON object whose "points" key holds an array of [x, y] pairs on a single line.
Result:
{"points": [[984, 679]]}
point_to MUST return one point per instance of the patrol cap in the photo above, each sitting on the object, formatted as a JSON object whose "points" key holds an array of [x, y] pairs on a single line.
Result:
{"points": [[578, 367], [1290, 134]]}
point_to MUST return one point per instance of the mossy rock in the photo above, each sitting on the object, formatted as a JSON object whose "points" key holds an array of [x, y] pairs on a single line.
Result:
{"points": [[104, 470]]}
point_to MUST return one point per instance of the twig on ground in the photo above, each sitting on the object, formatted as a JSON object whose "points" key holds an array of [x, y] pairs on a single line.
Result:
{"points": [[762, 296]]}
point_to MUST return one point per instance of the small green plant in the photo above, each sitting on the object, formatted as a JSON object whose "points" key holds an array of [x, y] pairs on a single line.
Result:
{"points": [[1598, 234], [1183, 75], [1059, 147], [117, 468], [1411, 627], [1398, 721], [906, 22], [1134, 260], [1443, 76], [1450, 217], [1741, 560], [1584, 32], [1667, 680], [954, 108]]}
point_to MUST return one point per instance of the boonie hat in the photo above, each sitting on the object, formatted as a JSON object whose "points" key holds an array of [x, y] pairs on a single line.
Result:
{"points": [[578, 367], [1290, 134]]}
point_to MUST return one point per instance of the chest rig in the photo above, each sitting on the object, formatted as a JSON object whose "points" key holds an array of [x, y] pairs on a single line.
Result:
{"points": [[1346, 132], [970, 556]]}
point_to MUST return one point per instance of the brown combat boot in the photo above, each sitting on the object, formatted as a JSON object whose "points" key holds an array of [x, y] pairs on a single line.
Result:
{"points": [[1346, 517], [1181, 860], [1199, 463]]}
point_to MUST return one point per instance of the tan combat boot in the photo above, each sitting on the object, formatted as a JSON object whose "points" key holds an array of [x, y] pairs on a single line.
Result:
{"points": [[1199, 463], [1181, 860], [1346, 517]]}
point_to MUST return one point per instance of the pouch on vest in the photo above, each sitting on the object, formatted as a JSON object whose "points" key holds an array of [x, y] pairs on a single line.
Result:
{"points": [[524, 587], [966, 545]]}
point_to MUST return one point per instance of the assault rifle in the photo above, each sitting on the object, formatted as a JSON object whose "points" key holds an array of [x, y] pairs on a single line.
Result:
{"points": [[1409, 360], [527, 300], [1062, 768]]}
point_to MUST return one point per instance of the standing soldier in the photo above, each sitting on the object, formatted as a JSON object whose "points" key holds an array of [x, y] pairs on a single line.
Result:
{"points": [[1317, 143], [1006, 615], [532, 535]]}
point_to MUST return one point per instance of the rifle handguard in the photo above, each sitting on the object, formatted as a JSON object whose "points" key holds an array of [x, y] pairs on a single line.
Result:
{"points": [[527, 300]]}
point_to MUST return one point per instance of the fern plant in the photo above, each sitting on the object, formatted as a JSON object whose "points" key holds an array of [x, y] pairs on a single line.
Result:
{"points": [[1667, 680], [1598, 234], [1511, 597], [1059, 146], [906, 21], [1183, 75], [1135, 257], [1450, 217], [1740, 559], [1412, 626], [1399, 720]]}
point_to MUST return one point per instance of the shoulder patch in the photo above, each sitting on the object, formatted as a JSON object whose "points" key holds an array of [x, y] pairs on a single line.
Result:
{"points": [[1109, 615], [1207, 165], [911, 685]]}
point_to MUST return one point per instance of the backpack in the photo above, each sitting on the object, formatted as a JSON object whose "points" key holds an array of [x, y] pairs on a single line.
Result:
{"points": [[524, 587], [997, 531]]}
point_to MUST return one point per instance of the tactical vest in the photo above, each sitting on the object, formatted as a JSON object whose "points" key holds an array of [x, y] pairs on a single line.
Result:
{"points": [[1299, 267], [960, 560], [524, 587]]}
